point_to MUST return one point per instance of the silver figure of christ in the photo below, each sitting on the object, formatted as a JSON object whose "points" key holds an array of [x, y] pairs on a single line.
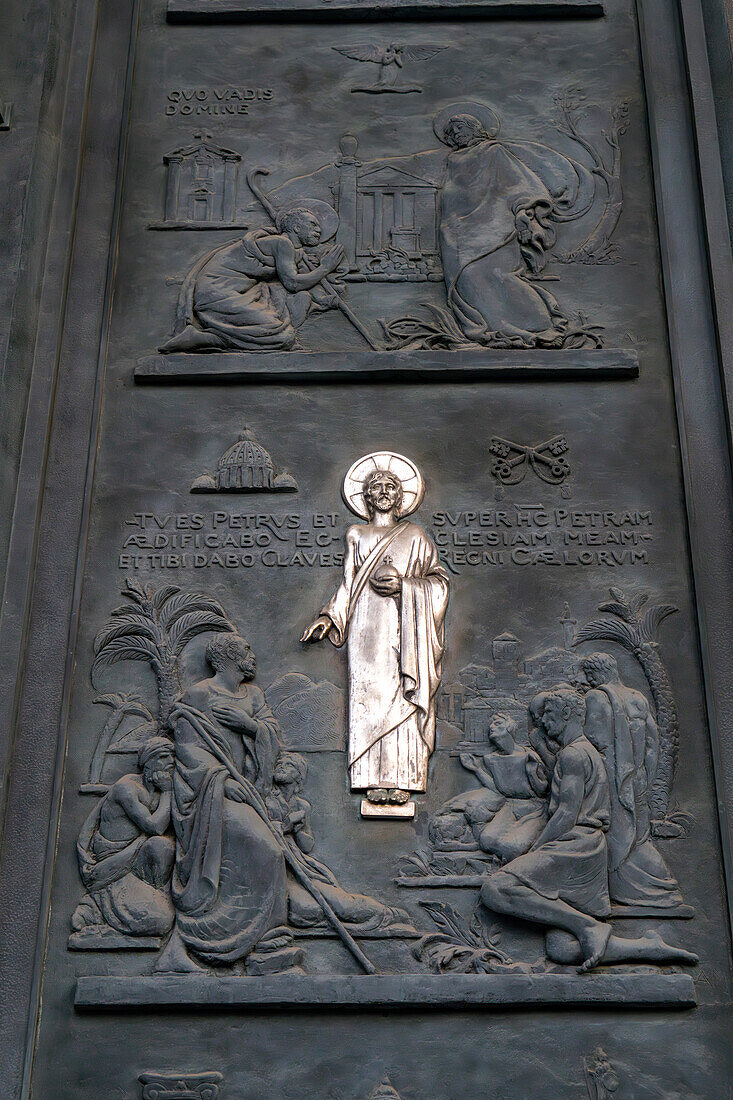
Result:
{"points": [[389, 610]]}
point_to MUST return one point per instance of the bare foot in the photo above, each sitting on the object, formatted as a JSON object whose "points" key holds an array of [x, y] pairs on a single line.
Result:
{"points": [[378, 795], [191, 339], [593, 946], [660, 951], [398, 797]]}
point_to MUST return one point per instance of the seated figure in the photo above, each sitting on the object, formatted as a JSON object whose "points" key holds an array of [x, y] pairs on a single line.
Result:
{"points": [[562, 881], [292, 813], [507, 813], [252, 294], [125, 860], [229, 886]]}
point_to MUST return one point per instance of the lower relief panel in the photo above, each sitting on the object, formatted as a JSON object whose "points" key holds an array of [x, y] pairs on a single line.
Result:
{"points": [[415, 795]]}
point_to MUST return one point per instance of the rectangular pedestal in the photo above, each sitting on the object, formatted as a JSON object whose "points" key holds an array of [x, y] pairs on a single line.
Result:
{"points": [[369, 809]]}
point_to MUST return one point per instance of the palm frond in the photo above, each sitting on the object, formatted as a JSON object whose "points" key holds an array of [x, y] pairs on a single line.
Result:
{"points": [[182, 602], [125, 702], [115, 699], [610, 630], [654, 617], [164, 594], [189, 625], [126, 649], [638, 601], [621, 609], [132, 625], [125, 609], [134, 591]]}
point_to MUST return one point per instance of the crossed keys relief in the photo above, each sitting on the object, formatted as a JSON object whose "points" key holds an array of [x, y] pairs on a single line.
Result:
{"points": [[547, 460]]}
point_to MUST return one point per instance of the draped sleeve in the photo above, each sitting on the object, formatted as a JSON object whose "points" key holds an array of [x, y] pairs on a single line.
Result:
{"points": [[268, 742], [425, 591]]}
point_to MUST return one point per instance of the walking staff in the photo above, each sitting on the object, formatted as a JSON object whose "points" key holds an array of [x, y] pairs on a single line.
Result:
{"points": [[345, 309], [197, 720]]}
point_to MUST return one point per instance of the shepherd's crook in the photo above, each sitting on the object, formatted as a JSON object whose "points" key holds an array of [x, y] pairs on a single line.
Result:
{"points": [[345, 309]]}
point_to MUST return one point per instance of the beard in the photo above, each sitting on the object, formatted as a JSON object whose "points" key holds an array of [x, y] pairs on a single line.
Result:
{"points": [[163, 780]]}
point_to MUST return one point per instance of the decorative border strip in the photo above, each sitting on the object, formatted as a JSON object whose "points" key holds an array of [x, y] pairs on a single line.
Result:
{"points": [[415, 366], [627, 991], [209, 11]]}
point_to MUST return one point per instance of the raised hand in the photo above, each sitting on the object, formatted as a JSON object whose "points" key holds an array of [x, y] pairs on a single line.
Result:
{"points": [[333, 258], [234, 718], [317, 631], [470, 762]]}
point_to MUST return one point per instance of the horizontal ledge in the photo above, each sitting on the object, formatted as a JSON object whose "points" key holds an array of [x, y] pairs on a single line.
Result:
{"points": [[197, 225], [208, 11], [409, 991], [296, 366]]}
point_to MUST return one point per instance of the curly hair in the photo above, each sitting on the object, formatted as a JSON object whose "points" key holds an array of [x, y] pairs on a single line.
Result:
{"points": [[602, 664], [567, 697], [284, 220], [224, 647], [298, 762], [382, 473]]}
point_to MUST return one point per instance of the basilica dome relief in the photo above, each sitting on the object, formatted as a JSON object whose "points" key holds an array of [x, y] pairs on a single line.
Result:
{"points": [[245, 467]]}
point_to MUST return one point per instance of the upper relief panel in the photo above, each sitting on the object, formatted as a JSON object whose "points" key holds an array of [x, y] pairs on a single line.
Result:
{"points": [[432, 198]]}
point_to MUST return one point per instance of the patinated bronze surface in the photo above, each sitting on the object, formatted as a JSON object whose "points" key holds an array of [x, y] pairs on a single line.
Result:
{"points": [[398, 326]]}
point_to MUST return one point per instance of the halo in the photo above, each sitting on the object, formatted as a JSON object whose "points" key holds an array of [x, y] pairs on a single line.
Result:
{"points": [[413, 486], [485, 115], [327, 216]]}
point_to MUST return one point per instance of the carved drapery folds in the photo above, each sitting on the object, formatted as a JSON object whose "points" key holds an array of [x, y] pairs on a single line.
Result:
{"points": [[560, 830], [414, 218]]}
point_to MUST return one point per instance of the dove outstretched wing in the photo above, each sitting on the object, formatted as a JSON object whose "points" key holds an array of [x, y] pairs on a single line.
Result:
{"points": [[361, 53], [420, 53]]}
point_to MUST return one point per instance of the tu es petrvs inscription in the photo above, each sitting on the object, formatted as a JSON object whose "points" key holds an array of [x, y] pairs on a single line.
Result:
{"points": [[530, 534], [512, 535]]}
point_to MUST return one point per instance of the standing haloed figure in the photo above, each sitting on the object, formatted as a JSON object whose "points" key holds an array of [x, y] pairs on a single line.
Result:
{"points": [[390, 610]]}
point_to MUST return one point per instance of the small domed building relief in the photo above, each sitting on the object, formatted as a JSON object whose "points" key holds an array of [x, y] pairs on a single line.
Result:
{"points": [[245, 467]]}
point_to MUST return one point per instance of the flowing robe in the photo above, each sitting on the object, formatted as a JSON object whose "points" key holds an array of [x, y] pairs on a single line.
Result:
{"points": [[574, 867], [361, 912], [395, 652], [491, 191], [122, 882], [235, 294], [229, 884], [637, 872]]}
